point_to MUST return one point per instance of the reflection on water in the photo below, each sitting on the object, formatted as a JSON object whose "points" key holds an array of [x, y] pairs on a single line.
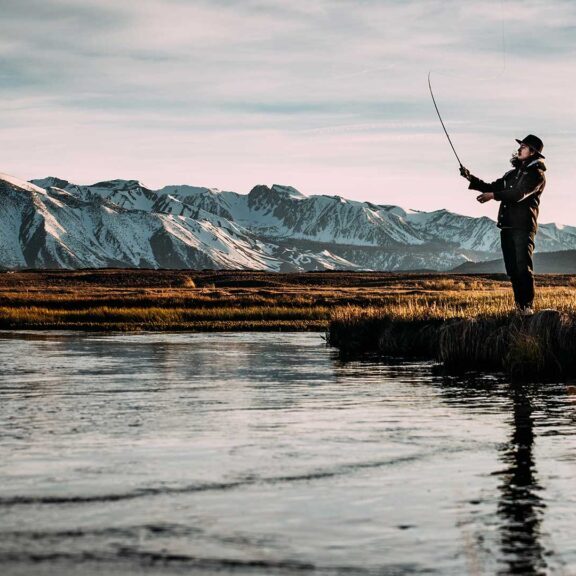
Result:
{"points": [[265, 454], [521, 506]]}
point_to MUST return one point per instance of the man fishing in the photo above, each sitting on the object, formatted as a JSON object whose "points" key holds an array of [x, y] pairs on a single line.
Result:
{"points": [[518, 192]]}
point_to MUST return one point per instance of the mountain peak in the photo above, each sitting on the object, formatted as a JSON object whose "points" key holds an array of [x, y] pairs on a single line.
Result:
{"points": [[50, 181], [289, 191], [119, 184], [262, 191], [21, 183]]}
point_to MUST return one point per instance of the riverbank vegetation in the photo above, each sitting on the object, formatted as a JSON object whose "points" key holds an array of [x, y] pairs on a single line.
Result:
{"points": [[345, 303], [463, 335]]}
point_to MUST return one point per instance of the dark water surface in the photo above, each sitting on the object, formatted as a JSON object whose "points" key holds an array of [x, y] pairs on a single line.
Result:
{"points": [[264, 454]]}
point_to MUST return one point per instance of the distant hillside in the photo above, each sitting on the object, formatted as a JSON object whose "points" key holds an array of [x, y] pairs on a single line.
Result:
{"points": [[563, 262]]}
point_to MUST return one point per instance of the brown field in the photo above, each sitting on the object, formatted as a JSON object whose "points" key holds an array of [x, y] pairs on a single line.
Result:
{"points": [[129, 300]]}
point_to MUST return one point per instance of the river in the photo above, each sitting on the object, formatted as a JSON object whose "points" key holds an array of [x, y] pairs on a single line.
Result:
{"points": [[265, 454]]}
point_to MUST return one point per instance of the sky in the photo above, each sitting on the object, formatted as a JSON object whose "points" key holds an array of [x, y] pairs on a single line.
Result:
{"points": [[328, 96]]}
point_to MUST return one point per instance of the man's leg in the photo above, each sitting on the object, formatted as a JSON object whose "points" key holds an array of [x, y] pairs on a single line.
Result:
{"points": [[509, 253], [524, 249]]}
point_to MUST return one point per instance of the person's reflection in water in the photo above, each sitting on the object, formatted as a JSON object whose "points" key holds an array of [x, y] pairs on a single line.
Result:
{"points": [[520, 507]]}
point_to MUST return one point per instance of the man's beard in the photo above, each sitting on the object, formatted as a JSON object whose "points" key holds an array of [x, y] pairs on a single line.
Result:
{"points": [[514, 160]]}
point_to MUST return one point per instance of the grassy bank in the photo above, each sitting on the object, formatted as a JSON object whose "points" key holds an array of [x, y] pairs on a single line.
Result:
{"points": [[250, 300], [464, 337]]}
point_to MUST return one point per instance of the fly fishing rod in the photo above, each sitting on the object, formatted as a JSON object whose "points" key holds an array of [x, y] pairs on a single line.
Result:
{"points": [[441, 122]]}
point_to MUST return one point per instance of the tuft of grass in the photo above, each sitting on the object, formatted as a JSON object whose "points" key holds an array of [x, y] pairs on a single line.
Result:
{"points": [[187, 282]]}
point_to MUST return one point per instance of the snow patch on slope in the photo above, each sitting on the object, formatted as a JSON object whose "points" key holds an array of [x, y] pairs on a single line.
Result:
{"points": [[22, 184]]}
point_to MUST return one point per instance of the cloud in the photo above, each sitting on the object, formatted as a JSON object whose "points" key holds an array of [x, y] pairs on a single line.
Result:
{"points": [[329, 95]]}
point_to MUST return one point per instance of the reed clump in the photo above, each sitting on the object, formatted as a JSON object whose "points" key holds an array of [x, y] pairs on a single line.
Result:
{"points": [[187, 282], [542, 346]]}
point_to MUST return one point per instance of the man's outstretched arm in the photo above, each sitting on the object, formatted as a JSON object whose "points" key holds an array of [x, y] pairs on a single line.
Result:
{"points": [[489, 190], [480, 185]]}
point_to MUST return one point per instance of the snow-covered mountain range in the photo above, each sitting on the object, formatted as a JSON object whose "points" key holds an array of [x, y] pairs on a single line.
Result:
{"points": [[53, 223]]}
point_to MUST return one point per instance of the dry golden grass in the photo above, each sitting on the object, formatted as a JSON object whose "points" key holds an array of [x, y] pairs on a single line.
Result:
{"points": [[236, 300], [450, 304], [157, 316]]}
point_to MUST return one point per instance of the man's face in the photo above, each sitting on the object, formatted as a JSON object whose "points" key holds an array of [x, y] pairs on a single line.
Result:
{"points": [[524, 152]]}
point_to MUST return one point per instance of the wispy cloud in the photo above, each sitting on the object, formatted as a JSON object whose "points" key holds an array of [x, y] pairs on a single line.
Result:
{"points": [[327, 95]]}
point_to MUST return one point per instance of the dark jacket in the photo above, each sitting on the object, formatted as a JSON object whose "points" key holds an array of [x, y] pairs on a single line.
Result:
{"points": [[518, 192]]}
